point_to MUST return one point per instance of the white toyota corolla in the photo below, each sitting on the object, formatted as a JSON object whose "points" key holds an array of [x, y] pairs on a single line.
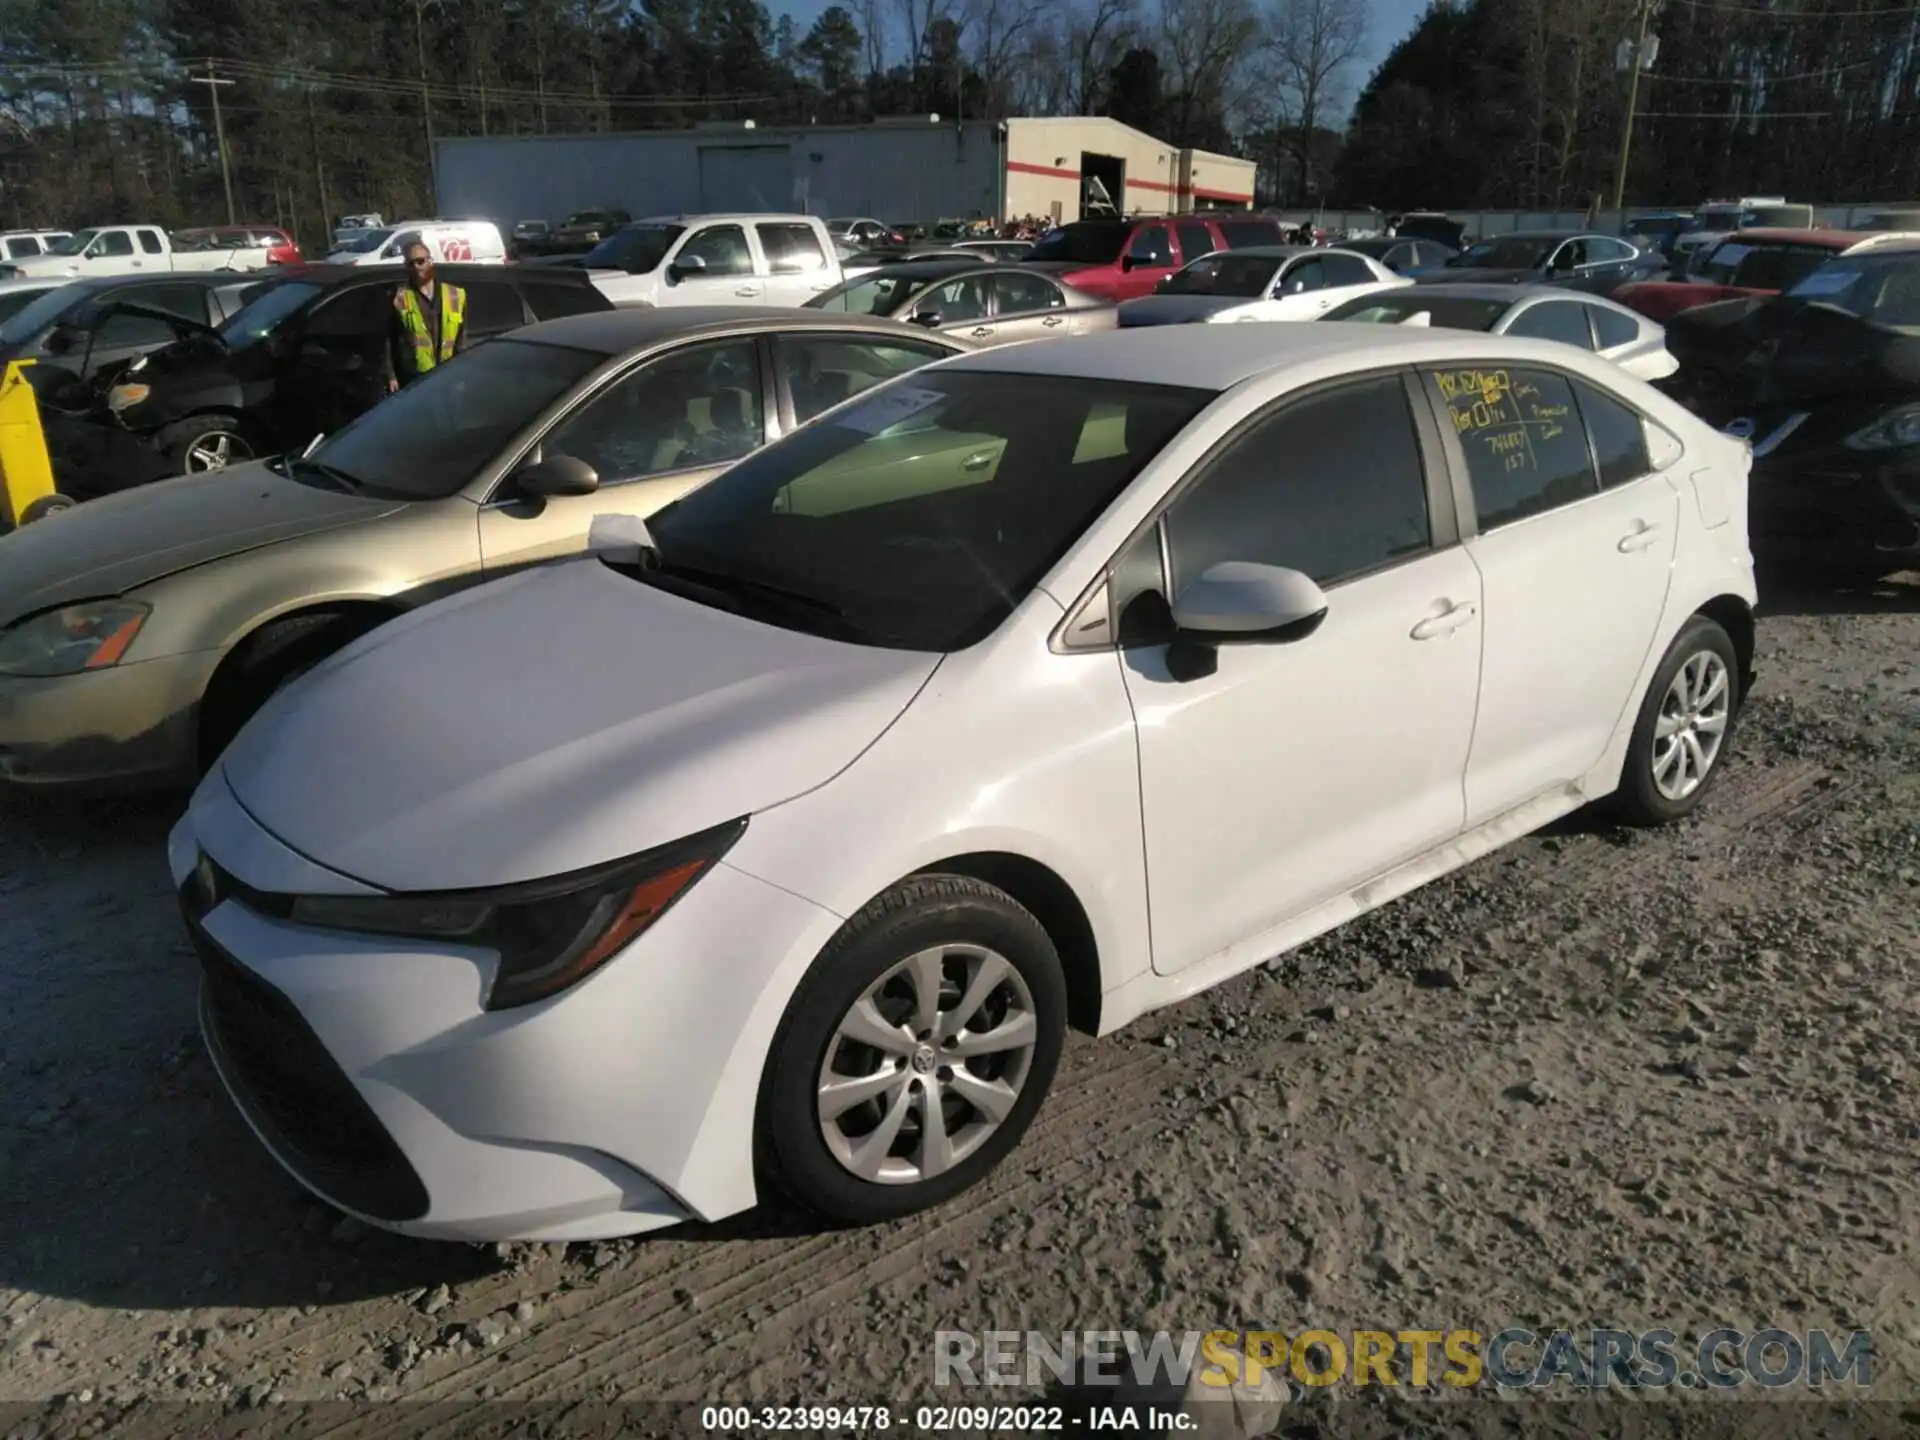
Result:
{"points": [[1040, 688]]}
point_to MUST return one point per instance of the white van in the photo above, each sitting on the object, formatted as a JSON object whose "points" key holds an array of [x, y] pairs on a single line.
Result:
{"points": [[453, 242]]}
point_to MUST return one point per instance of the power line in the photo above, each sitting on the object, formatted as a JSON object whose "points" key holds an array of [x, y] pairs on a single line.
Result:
{"points": [[1734, 116], [1888, 11]]}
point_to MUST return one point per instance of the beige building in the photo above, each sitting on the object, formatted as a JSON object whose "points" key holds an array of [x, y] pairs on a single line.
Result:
{"points": [[909, 168], [1059, 167]]}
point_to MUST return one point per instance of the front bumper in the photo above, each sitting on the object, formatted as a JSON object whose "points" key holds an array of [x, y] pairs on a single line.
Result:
{"points": [[1828, 506], [369, 1070], [128, 726]]}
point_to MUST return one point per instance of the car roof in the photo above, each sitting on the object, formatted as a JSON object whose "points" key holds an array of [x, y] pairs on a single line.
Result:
{"points": [[1773, 234], [613, 332], [1219, 357], [934, 265], [1540, 235], [687, 218], [318, 272]]}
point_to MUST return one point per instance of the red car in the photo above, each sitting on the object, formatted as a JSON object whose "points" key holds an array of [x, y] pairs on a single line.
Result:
{"points": [[1125, 259], [282, 248], [1745, 263]]}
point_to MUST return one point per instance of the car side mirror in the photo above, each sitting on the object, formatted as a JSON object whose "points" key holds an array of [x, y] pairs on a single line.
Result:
{"points": [[1239, 602], [1127, 262], [556, 475], [61, 340], [928, 318], [689, 265]]}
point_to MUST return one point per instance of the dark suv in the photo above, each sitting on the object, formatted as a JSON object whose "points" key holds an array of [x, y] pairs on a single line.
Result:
{"points": [[301, 360]]}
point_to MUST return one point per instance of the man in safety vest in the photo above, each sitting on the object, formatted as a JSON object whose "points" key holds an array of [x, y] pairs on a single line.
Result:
{"points": [[429, 321]]}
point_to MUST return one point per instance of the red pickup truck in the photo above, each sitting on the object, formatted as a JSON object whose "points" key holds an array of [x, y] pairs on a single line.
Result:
{"points": [[1746, 263], [1124, 259]]}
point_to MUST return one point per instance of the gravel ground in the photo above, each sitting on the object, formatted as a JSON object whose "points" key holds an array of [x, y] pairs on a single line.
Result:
{"points": [[1640, 1079]]}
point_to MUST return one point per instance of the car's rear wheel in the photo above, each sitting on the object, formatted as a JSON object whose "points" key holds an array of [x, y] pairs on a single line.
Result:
{"points": [[915, 1053], [44, 506], [1683, 728], [205, 442]]}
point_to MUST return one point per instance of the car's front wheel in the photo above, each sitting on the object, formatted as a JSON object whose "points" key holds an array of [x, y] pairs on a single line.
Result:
{"points": [[1684, 724], [209, 442], [915, 1053]]}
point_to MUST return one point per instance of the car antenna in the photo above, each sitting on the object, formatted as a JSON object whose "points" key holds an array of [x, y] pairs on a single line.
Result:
{"points": [[313, 445]]}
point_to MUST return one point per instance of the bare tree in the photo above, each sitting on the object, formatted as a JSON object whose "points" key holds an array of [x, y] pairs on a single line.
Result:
{"points": [[1204, 47], [1093, 40], [998, 28], [872, 15], [1314, 46]]}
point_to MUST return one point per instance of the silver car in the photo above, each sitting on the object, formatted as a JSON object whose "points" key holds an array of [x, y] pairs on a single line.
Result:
{"points": [[1540, 312], [986, 304]]}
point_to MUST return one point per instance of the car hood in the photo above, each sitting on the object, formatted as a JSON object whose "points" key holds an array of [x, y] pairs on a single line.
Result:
{"points": [[1178, 309], [1745, 353], [1660, 299], [119, 542], [553, 721]]}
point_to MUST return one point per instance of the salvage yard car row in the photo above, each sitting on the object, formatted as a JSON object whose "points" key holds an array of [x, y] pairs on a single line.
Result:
{"points": [[790, 721]]}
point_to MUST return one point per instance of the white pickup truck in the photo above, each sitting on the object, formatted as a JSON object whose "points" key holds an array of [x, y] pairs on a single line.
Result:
{"points": [[132, 250]]}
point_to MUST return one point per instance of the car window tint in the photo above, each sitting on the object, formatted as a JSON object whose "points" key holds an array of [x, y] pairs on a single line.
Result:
{"points": [[1302, 276], [187, 301], [493, 306], [1612, 327], [1020, 294], [791, 249], [1151, 246], [150, 242], [1526, 449], [551, 302], [362, 313], [123, 328], [1331, 485], [823, 370], [1603, 249], [1560, 320], [22, 246], [1400, 255], [697, 406], [1241, 233], [1345, 270], [113, 242], [1619, 436], [957, 300], [1195, 240], [722, 247]]}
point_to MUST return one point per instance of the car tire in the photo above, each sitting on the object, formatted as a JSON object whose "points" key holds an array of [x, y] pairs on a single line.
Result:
{"points": [[835, 1161], [265, 662], [192, 445], [1695, 696], [44, 506]]}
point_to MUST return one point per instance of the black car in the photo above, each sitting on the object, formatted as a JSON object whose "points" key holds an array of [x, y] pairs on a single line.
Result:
{"points": [[1401, 255], [529, 238], [88, 327], [1657, 232], [585, 229], [1824, 382], [1576, 258], [303, 359]]}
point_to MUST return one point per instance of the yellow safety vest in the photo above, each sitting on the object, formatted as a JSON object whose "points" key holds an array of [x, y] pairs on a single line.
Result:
{"points": [[453, 309]]}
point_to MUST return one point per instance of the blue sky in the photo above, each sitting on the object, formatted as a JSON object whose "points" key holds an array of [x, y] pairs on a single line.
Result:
{"points": [[1392, 20]]}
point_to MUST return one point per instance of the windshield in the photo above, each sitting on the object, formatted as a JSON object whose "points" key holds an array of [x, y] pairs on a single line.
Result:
{"points": [[1882, 290], [590, 217], [366, 241], [920, 516], [1449, 312], [1236, 275], [1760, 267], [1085, 242], [1779, 217], [73, 244], [39, 313], [12, 302], [637, 249], [885, 292], [1717, 220], [263, 313], [1509, 252], [431, 439], [1891, 220]]}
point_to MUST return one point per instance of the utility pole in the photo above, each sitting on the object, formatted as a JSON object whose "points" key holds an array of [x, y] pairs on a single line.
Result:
{"points": [[319, 172], [213, 84], [1637, 59], [426, 96]]}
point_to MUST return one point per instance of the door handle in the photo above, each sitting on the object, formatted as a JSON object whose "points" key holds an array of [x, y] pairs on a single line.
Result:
{"points": [[1640, 538], [1052, 320], [979, 460], [1445, 623], [747, 290], [980, 332]]}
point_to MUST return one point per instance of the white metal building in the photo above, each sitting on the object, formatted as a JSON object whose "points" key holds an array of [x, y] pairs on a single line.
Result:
{"points": [[920, 169]]}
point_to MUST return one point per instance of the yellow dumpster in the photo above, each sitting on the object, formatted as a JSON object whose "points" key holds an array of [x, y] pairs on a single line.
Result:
{"points": [[26, 471]]}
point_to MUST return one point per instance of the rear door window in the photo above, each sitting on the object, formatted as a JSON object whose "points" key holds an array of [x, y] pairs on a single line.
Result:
{"points": [[1241, 233], [550, 302], [493, 306], [1612, 328], [1022, 292], [1525, 446], [151, 243], [113, 242], [791, 249], [190, 302], [21, 246], [1345, 270], [361, 313], [1195, 240], [1561, 320], [1619, 437], [1151, 246]]}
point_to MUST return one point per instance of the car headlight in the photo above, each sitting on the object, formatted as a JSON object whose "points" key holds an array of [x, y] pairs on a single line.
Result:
{"points": [[549, 934], [1895, 430], [125, 397], [91, 635]]}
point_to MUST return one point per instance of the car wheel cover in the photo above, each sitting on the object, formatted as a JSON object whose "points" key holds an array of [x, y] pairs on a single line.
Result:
{"points": [[215, 450], [925, 1067], [1692, 724]]}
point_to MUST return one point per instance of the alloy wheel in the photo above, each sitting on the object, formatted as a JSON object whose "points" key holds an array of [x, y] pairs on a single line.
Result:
{"points": [[927, 1064], [216, 450], [1692, 724]]}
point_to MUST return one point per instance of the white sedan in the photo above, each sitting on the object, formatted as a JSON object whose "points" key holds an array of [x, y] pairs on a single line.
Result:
{"points": [[781, 843], [1261, 282], [1539, 312]]}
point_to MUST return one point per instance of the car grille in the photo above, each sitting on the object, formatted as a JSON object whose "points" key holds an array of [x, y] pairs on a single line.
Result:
{"points": [[292, 1089]]}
